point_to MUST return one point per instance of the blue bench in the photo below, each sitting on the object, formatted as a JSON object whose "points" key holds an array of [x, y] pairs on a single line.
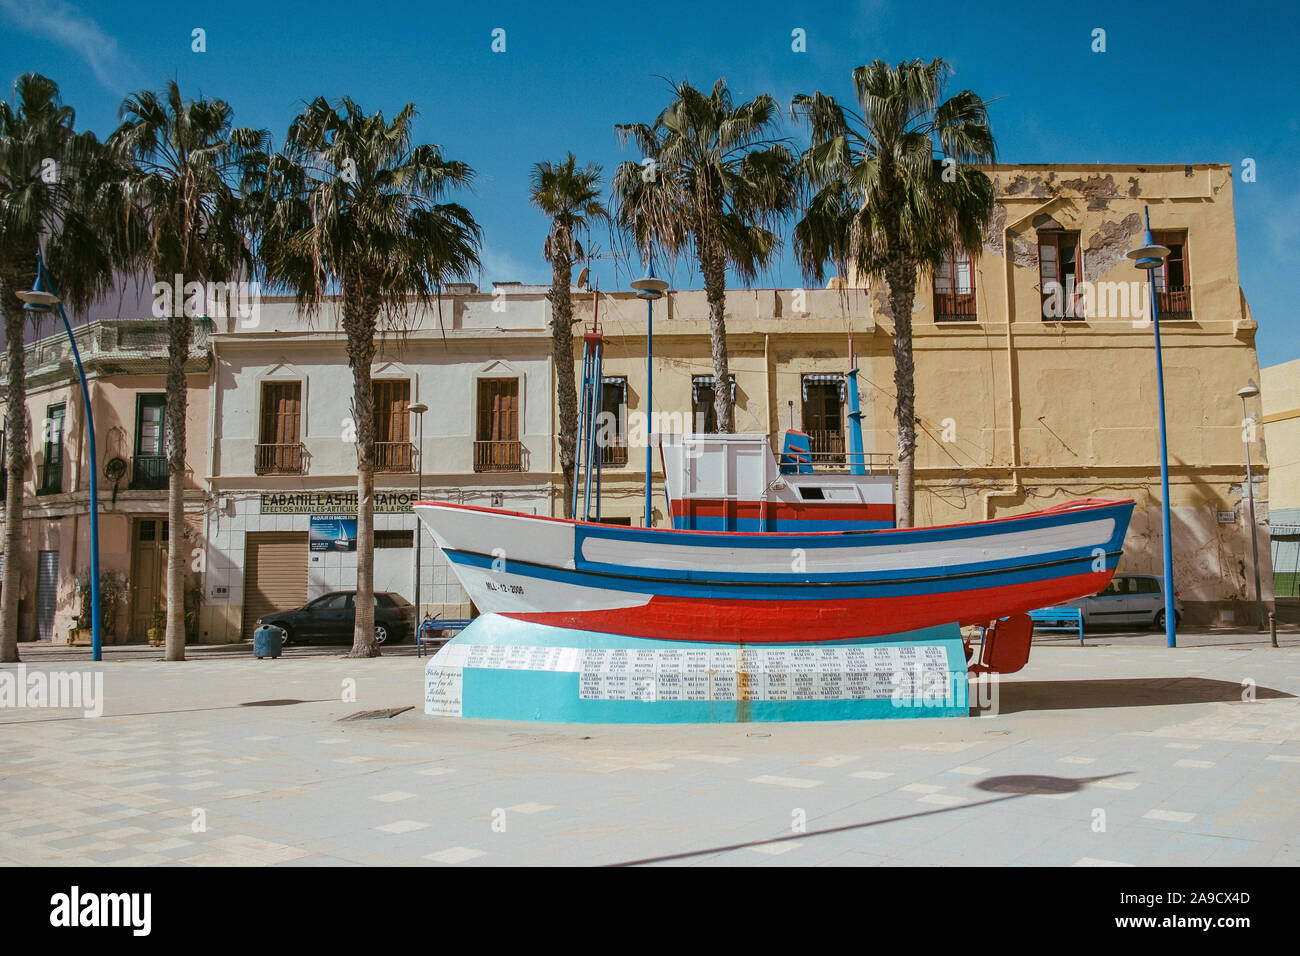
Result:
{"points": [[1058, 619], [432, 626]]}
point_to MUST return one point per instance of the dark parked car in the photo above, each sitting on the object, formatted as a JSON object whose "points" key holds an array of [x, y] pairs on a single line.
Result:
{"points": [[333, 616]]}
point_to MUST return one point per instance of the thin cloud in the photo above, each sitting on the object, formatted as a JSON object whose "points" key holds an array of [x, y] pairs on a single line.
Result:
{"points": [[67, 26]]}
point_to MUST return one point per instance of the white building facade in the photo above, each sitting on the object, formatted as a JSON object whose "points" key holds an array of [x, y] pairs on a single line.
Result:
{"points": [[283, 484]]}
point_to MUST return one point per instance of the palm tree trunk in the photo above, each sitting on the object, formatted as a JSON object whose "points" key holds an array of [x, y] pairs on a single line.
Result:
{"points": [[562, 358], [360, 313], [901, 278], [714, 269], [15, 464], [181, 329]]}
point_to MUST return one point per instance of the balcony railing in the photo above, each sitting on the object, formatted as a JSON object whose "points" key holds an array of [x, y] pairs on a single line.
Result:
{"points": [[498, 456], [393, 456], [827, 447], [1174, 303], [954, 307], [281, 459], [829, 453], [613, 454], [51, 478], [148, 473]]}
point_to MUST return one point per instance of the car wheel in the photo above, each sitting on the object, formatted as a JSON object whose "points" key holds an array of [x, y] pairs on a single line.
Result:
{"points": [[1160, 620], [381, 634], [287, 639]]}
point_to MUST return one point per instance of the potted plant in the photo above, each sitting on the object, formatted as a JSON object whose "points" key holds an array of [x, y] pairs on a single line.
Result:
{"points": [[158, 628], [112, 595], [80, 632]]}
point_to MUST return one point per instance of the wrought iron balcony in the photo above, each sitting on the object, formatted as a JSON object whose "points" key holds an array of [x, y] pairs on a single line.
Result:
{"points": [[498, 456], [827, 447], [51, 482], [615, 454], [148, 473], [954, 307], [394, 456], [1174, 302], [279, 459]]}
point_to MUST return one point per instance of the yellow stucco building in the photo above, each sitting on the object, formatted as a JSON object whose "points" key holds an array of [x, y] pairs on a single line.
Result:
{"points": [[1035, 370]]}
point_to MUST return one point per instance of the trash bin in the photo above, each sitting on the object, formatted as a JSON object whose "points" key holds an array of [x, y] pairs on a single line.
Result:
{"points": [[267, 641]]}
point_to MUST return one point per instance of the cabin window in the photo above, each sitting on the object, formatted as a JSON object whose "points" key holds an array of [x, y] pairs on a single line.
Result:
{"points": [[811, 494]]}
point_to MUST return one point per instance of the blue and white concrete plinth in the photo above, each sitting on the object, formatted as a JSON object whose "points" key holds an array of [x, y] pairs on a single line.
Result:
{"points": [[503, 669]]}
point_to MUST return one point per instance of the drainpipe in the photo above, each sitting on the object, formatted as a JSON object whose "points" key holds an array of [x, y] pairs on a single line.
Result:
{"points": [[1008, 265]]}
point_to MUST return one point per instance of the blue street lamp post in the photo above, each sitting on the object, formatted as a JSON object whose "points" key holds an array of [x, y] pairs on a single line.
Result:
{"points": [[1150, 257], [40, 299], [650, 288]]}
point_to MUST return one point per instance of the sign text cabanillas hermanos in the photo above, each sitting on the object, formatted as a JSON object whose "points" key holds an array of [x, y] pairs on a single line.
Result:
{"points": [[333, 502]]}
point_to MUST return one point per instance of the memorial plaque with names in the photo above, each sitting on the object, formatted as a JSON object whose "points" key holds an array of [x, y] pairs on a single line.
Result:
{"points": [[701, 674]]}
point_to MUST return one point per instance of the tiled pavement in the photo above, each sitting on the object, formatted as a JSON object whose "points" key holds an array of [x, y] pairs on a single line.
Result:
{"points": [[1123, 754]]}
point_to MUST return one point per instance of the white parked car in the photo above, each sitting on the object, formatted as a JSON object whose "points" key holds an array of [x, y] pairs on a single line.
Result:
{"points": [[1129, 599]]}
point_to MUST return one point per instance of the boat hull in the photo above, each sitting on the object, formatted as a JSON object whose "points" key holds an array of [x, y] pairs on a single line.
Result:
{"points": [[756, 588]]}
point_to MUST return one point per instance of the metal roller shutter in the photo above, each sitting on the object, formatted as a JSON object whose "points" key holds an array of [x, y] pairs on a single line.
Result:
{"points": [[275, 574], [47, 593]]}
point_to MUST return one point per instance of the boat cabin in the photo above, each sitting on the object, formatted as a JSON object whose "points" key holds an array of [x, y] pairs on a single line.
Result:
{"points": [[733, 482]]}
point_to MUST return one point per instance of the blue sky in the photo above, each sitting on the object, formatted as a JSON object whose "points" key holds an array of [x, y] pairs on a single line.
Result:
{"points": [[1193, 82]]}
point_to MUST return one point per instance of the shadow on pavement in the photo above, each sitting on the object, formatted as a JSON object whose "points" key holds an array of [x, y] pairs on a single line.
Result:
{"points": [[1017, 696], [1013, 787]]}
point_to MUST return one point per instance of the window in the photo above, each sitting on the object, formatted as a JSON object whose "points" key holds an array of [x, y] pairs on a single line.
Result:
{"points": [[393, 425], [1060, 270], [823, 417], [1173, 278], [613, 419], [703, 414], [497, 446], [331, 602], [52, 470], [394, 539], [148, 530], [954, 289], [279, 448], [149, 467]]}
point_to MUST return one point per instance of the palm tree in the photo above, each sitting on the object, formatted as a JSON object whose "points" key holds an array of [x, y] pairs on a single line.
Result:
{"points": [[183, 159], [891, 192], [571, 198], [350, 205], [720, 183], [57, 189]]}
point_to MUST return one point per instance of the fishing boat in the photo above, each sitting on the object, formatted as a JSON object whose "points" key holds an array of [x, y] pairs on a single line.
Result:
{"points": [[756, 585]]}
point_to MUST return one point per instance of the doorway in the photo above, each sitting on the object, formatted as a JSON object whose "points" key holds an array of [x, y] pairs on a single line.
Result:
{"points": [[148, 564]]}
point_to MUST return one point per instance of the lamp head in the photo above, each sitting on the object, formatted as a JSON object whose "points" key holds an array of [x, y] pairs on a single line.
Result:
{"points": [[649, 287], [1148, 255], [1249, 391], [419, 408], [39, 298]]}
